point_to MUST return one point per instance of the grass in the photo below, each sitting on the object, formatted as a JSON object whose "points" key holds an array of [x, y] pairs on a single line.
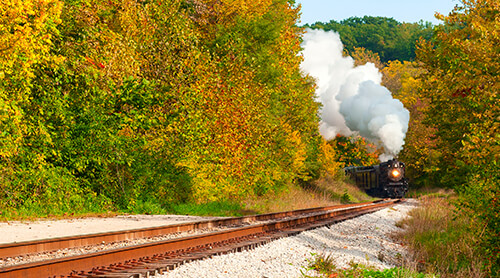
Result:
{"points": [[32, 211], [30, 215], [222, 208], [340, 189], [440, 240], [325, 191], [322, 192], [323, 266], [429, 192]]}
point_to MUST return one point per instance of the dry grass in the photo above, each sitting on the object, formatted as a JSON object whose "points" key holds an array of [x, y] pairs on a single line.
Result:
{"points": [[429, 192], [323, 192], [292, 198], [440, 241], [340, 189]]}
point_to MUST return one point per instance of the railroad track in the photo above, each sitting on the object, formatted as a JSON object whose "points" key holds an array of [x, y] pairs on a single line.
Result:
{"points": [[148, 259]]}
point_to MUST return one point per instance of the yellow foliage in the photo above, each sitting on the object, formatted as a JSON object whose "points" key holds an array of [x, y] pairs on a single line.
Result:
{"points": [[362, 56], [329, 159], [226, 12], [26, 29], [201, 98], [11, 116], [248, 8], [297, 150], [402, 80]]}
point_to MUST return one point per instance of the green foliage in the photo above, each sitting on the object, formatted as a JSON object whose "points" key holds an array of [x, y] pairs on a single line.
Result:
{"points": [[142, 106], [462, 85], [325, 267], [49, 191], [390, 39], [391, 273], [147, 207], [358, 270], [345, 198]]}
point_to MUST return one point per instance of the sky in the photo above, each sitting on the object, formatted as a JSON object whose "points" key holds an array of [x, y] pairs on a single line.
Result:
{"points": [[409, 11]]}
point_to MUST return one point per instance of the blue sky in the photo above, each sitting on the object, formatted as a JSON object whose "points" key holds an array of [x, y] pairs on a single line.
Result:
{"points": [[401, 10]]}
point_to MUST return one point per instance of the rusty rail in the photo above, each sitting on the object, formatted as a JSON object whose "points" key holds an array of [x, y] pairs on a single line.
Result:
{"points": [[136, 256], [45, 245]]}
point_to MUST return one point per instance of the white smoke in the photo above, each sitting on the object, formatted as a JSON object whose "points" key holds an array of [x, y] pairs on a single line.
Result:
{"points": [[353, 101]]}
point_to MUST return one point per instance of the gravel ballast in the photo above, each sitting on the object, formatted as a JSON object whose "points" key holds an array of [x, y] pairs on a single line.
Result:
{"points": [[362, 240]]}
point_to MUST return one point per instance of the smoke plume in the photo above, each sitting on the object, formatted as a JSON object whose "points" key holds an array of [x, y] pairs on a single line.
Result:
{"points": [[353, 101]]}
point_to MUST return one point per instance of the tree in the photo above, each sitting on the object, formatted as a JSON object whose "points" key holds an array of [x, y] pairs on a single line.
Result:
{"points": [[256, 129], [462, 83], [122, 104], [403, 79], [362, 56], [390, 39], [354, 151], [27, 33]]}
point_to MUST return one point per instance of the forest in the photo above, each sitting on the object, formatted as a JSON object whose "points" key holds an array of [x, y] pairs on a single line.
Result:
{"points": [[390, 39], [113, 104], [116, 105]]}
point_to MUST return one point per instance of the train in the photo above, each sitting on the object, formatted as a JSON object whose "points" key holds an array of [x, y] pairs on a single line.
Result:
{"points": [[385, 180]]}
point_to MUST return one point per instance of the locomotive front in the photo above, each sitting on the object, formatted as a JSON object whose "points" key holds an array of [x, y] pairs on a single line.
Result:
{"points": [[393, 181]]}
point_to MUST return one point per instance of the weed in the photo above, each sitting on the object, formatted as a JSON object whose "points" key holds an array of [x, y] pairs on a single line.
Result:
{"points": [[324, 267], [321, 264], [346, 198], [440, 240]]}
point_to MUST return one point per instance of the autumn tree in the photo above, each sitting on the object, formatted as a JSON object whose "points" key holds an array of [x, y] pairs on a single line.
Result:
{"points": [[256, 130], [129, 104], [362, 56], [462, 84], [28, 31], [403, 79], [129, 64], [354, 151]]}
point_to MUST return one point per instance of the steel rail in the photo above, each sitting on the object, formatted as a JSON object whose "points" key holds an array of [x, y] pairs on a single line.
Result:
{"points": [[46, 245], [65, 266]]}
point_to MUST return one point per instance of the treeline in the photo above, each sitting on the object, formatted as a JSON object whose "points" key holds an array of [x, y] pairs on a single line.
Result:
{"points": [[390, 39], [461, 85], [450, 85], [454, 135], [116, 104]]}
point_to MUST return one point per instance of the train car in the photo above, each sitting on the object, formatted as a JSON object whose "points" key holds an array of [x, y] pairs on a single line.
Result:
{"points": [[386, 180]]}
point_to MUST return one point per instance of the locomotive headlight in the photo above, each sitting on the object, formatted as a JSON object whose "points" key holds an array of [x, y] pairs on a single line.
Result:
{"points": [[395, 173]]}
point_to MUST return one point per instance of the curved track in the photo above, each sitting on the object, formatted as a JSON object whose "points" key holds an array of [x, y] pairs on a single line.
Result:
{"points": [[147, 259]]}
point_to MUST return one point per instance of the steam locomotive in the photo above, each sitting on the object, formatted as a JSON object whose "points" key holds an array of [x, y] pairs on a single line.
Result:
{"points": [[386, 180]]}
